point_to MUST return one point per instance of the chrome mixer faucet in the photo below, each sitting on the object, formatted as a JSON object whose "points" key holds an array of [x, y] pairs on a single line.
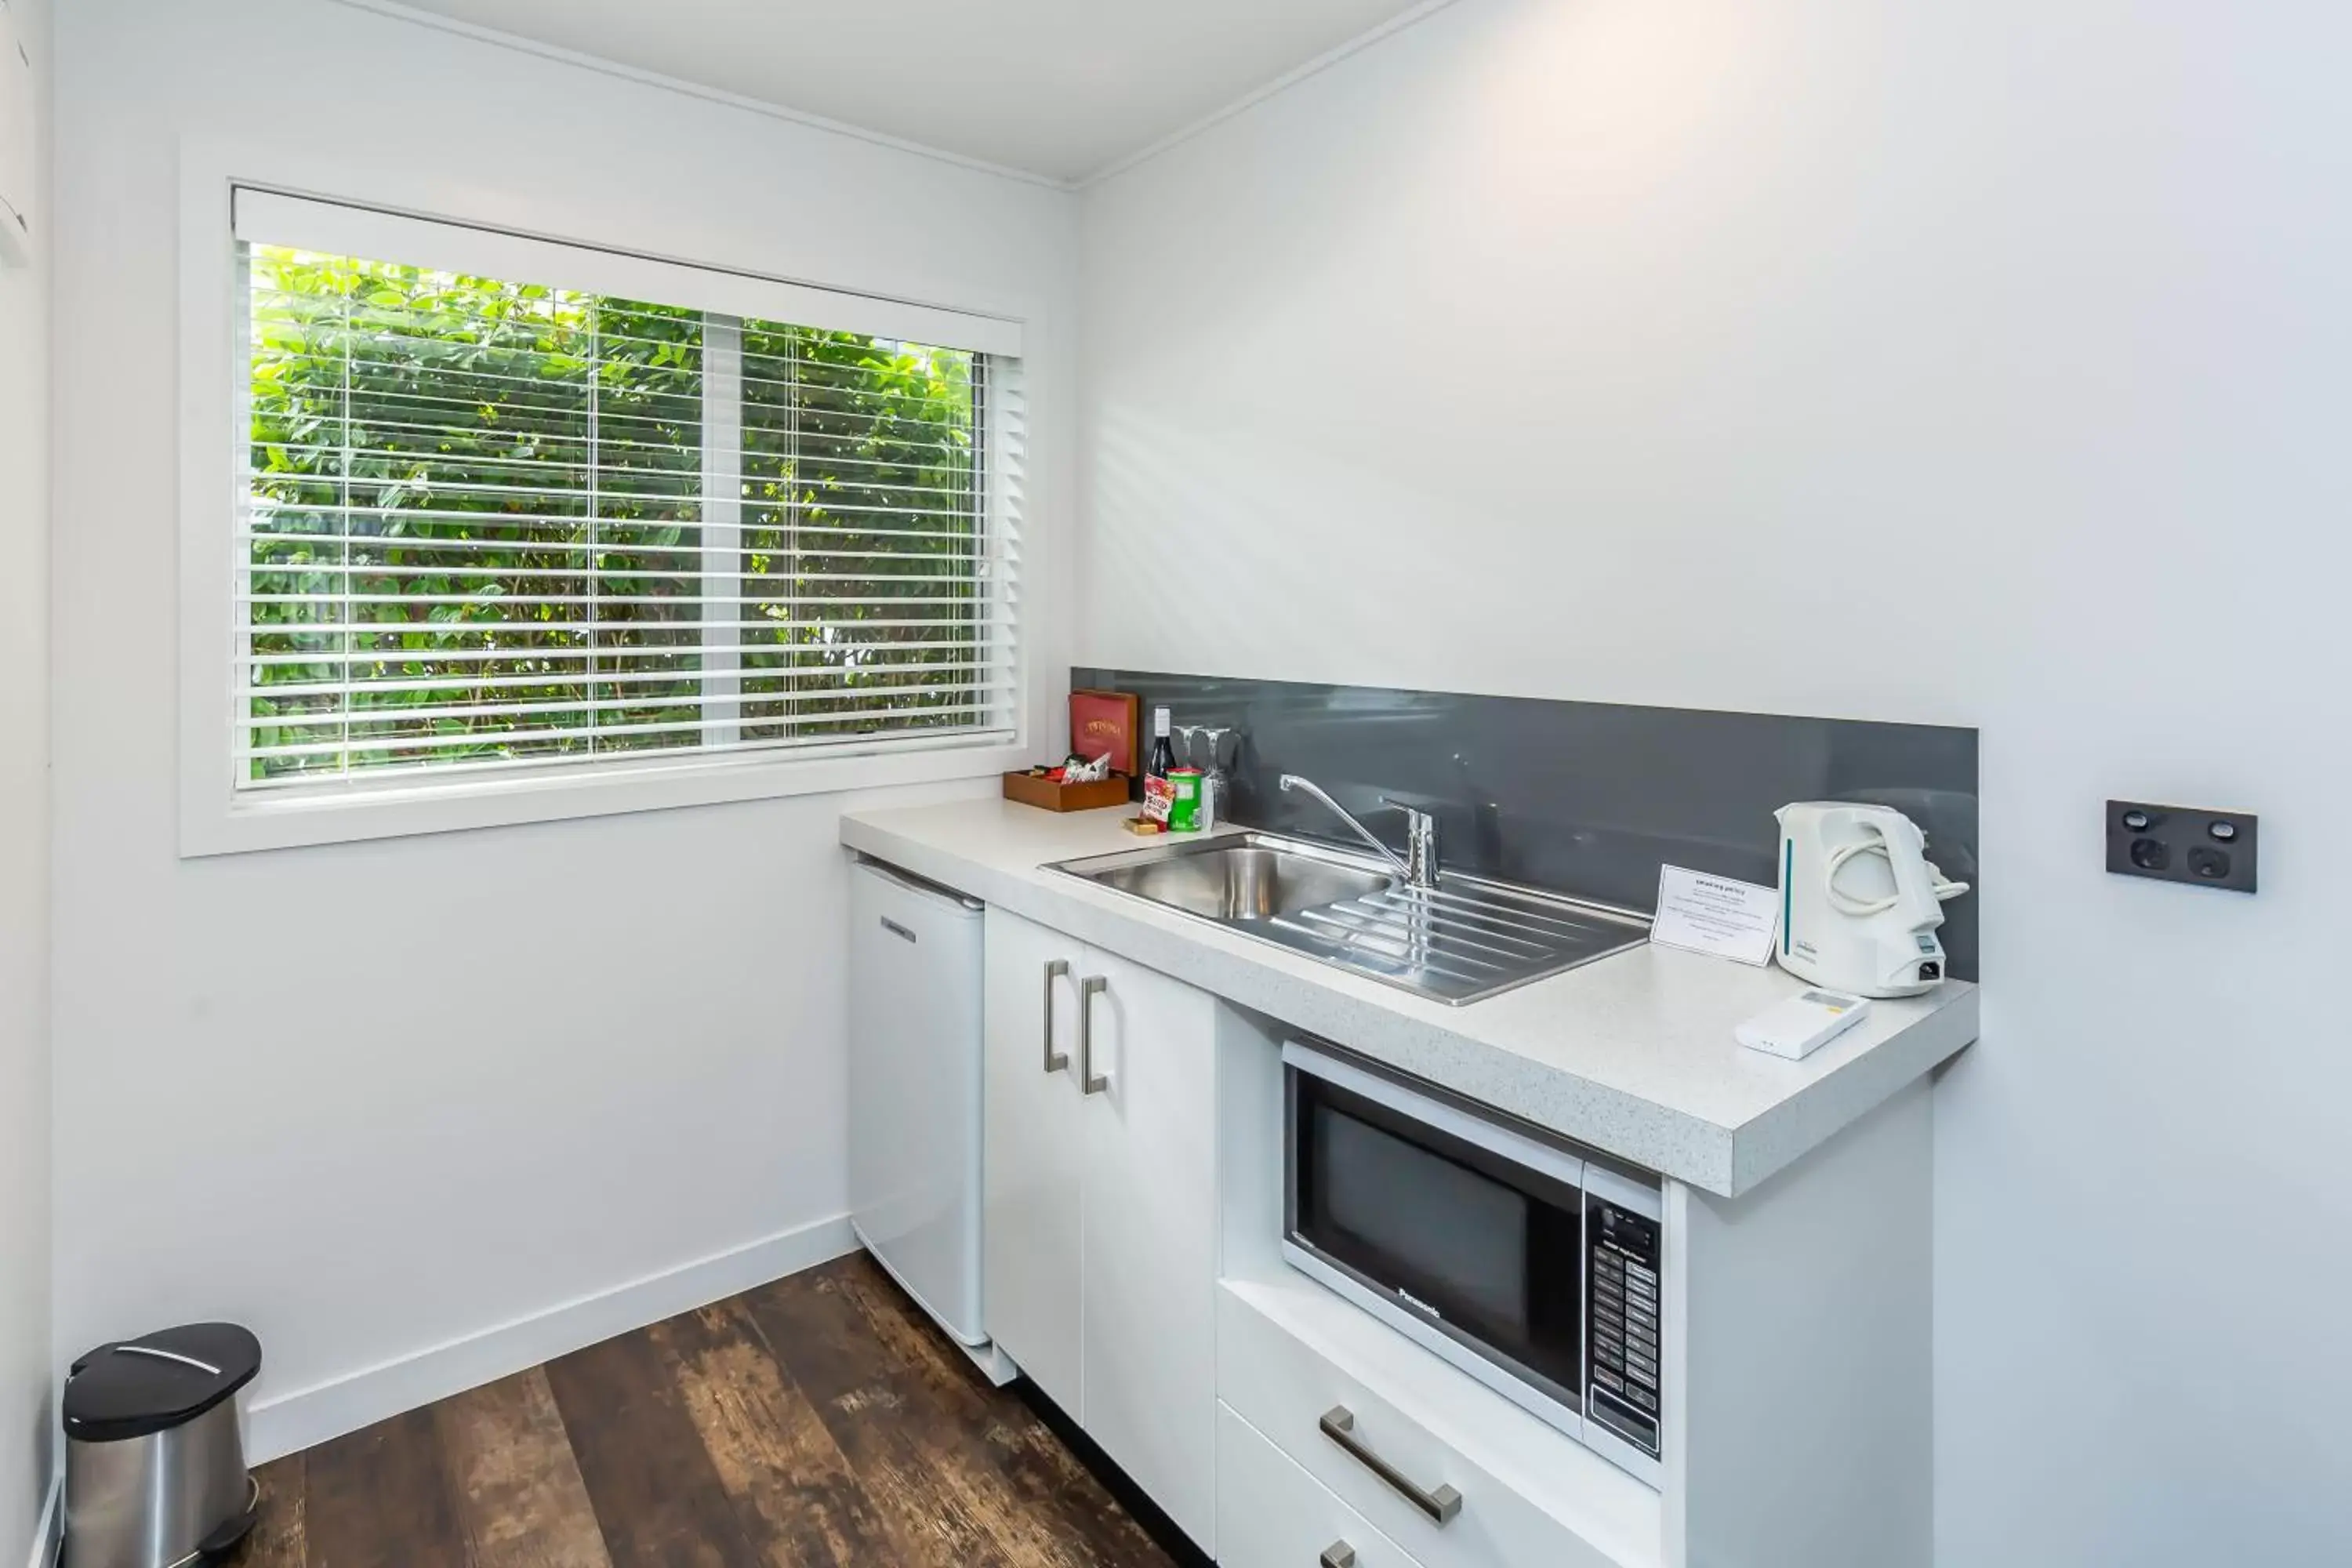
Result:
{"points": [[1419, 866]]}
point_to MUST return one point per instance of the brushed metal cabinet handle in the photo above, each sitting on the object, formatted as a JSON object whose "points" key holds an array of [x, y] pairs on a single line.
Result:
{"points": [[1339, 1554], [1055, 1061], [1092, 986], [1441, 1504], [895, 929]]}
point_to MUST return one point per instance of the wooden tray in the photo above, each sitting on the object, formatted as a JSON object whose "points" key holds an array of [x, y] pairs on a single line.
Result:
{"points": [[1051, 795]]}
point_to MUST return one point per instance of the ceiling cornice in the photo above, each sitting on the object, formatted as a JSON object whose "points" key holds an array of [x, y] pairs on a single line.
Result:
{"points": [[598, 63], [1282, 83]]}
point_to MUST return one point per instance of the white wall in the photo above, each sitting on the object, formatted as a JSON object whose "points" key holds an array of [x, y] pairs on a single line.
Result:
{"points": [[1977, 364], [376, 1098], [26, 1422]]}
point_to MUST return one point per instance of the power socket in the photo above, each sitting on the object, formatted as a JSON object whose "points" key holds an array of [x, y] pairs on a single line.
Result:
{"points": [[2182, 844]]}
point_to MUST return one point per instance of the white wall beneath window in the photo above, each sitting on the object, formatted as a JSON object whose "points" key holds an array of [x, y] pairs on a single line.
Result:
{"points": [[375, 1098], [1978, 364], [26, 1422]]}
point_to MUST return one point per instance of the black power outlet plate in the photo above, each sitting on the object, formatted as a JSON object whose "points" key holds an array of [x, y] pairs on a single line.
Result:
{"points": [[2182, 844]]}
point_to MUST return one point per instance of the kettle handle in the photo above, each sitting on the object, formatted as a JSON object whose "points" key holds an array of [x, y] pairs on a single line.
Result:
{"points": [[1914, 885], [1905, 850]]}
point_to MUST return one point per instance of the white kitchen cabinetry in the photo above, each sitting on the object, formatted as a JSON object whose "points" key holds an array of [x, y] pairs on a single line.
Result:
{"points": [[1291, 1353], [1101, 1209], [1034, 1150], [1134, 1264], [1149, 1267], [1798, 1373]]}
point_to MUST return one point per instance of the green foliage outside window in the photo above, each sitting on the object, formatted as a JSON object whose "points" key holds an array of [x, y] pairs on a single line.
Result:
{"points": [[477, 528]]}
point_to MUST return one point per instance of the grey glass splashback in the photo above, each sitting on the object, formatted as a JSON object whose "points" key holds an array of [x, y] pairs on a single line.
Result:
{"points": [[1586, 797]]}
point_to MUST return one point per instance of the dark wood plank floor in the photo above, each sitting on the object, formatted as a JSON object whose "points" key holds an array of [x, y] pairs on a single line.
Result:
{"points": [[820, 1420]]}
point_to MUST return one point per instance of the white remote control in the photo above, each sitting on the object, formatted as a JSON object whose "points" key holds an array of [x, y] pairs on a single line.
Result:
{"points": [[1803, 1024]]}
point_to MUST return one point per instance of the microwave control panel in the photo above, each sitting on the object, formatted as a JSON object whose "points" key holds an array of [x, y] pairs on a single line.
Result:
{"points": [[1622, 1252]]}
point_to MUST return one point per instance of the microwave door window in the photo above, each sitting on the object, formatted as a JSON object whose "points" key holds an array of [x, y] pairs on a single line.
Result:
{"points": [[1489, 1249], [1422, 1220]]}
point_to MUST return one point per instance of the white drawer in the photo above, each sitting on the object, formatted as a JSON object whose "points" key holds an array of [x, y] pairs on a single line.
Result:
{"points": [[1290, 1354], [1272, 1514]]}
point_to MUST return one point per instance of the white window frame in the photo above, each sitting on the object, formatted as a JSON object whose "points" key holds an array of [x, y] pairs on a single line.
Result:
{"points": [[217, 819]]}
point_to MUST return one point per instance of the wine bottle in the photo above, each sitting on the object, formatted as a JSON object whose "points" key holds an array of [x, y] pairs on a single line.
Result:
{"points": [[1163, 755]]}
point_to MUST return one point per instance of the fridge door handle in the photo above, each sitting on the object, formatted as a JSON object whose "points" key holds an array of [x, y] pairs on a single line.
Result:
{"points": [[914, 884]]}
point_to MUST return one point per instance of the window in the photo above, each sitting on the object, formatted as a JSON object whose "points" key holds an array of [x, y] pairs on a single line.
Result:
{"points": [[509, 504]]}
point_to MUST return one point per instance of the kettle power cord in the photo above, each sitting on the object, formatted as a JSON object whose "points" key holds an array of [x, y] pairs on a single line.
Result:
{"points": [[1847, 904]]}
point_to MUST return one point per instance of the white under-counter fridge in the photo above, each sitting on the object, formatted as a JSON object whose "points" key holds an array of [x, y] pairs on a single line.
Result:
{"points": [[914, 979]]}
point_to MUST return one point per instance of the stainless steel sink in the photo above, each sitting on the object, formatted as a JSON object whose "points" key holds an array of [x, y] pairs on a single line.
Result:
{"points": [[1232, 879], [1464, 939]]}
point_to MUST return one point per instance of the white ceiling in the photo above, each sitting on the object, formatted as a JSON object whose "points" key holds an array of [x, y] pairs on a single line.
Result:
{"points": [[1059, 88]]}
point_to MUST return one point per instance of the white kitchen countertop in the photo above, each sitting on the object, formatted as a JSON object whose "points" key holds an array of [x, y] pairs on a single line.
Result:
{"points": [[1633, 1055]]}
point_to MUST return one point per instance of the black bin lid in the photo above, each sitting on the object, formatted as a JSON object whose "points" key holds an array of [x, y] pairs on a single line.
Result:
{"points": [[157, 1381]]}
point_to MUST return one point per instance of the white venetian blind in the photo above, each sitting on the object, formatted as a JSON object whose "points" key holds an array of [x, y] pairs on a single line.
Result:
{"points": [[496, 516]]}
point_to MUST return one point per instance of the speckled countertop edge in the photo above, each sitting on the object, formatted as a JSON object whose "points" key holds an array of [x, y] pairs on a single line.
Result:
{"points": [[1635, 1060]]}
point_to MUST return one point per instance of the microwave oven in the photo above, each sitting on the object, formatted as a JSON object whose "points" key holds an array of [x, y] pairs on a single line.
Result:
{"points": [[1536, 1269]]}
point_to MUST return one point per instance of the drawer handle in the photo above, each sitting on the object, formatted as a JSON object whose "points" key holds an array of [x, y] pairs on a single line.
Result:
{"points": [[1055, 969], [1339, 1554], [1092, 986], [1339, 1424]]}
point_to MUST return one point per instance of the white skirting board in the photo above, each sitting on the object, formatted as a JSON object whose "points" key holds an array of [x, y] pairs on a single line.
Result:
{"points": [[45, 1536], [288, 1423]]}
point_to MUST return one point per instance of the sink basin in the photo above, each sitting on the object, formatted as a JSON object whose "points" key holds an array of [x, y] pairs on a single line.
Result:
{"points": [[1234, 880], [1467, 937]]}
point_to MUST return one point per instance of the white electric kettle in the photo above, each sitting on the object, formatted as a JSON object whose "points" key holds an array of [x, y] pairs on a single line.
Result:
{"points": [[1860, 902]]}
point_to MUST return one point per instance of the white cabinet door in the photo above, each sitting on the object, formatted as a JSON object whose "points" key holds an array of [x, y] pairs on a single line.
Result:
{"points": [[1151, 1222], [1035, 1147]]}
